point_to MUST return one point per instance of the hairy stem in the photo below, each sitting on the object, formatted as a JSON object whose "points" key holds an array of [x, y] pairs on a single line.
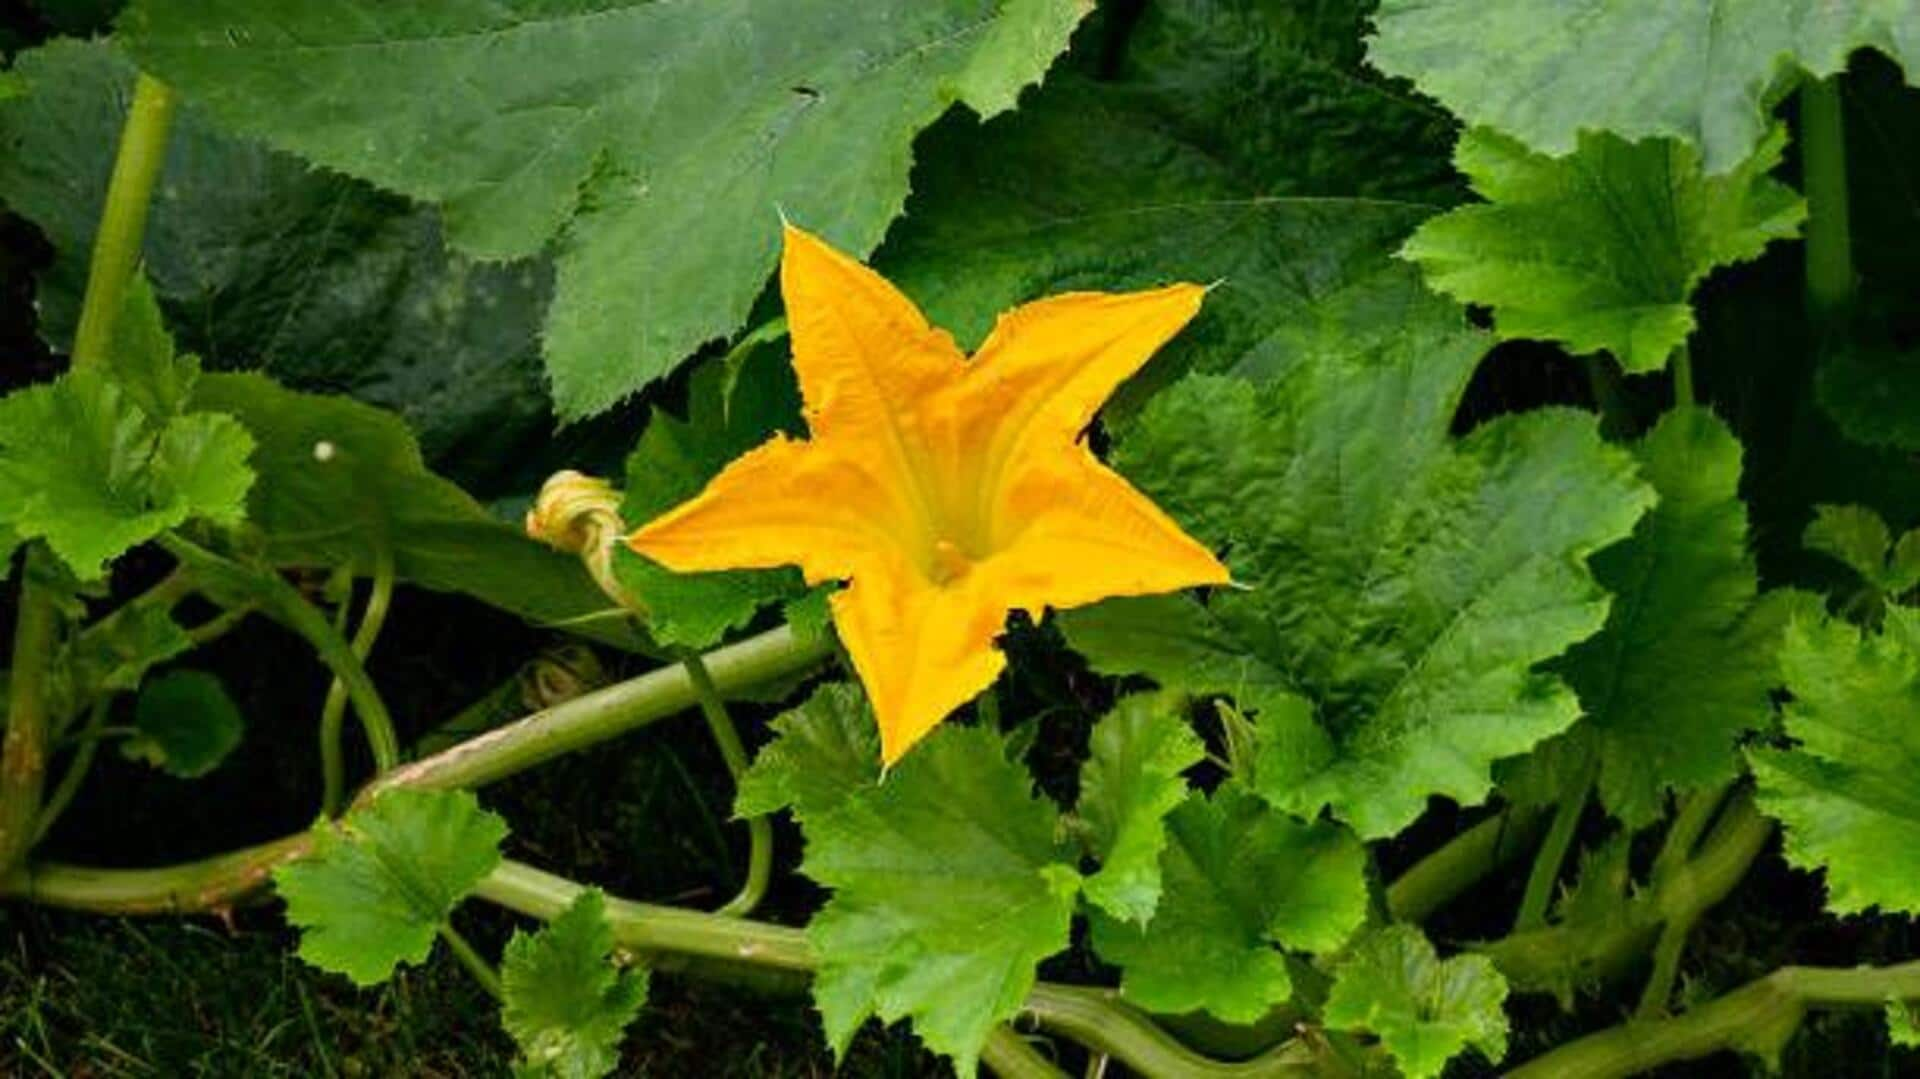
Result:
{"points": [[333, 772], [23, 752], [1696, 812], [1437, 879], [123, 220], [1604, 952], [470, 958], [1758, 1018], [1552, 854], [604, 713], [759, 829], [1823, 153]]}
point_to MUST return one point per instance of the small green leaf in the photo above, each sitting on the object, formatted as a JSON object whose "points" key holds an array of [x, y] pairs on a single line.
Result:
{"points": [[730, 410], [1127, 788], [1425, 1011], [1603, 249], [822, 753], [186, 722], [567, 1005], [85, 468], [1706, 70], [115, 653], [1854, 535], [1866, 388], [949, 887], [1240, 878], [379, 882], [1903, 1025], [142, 356], [1846, 794]]}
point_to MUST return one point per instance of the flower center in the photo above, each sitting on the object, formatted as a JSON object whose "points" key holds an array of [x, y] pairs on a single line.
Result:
{"points": [[950, 563]]}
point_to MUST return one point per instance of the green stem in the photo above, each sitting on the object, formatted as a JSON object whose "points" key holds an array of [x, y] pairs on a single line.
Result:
{"points": [[1684, 393], [1553, 853], [1438, 878], [285, 605], [75, 776], [471, 959], [23, 752], [123, 220], [759, 829], [1758, 1018], [604, 713], [1010, 1057], [333, 773], [1609, 391], [1696, 812], [1823, 154], [1603, 952]]}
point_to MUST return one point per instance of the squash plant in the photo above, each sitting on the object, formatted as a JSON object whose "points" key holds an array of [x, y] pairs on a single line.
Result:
{"points": [[1487, 551]]}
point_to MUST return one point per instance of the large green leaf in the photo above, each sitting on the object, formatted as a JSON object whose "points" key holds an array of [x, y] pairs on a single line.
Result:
{"points": [[341, 481], [263, 262], [655, 147], [1686, 662], [1701, 70], [566, 1004], [731, 408], [1425, 1010], [1241, 878], [379, 883], [1401, 584], [1127, 787], [1603, 248], [1235, 142], [950, 884], [1846, 794]]}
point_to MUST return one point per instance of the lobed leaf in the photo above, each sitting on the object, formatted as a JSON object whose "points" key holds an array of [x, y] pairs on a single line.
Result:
{"points": [[1601, 249], [1702, 70], [1241, 878], [566, 1004], [1686, 661], [950, 884], [624, 133], [823, 752], [1127, 788], [380, 881], [1425, 1010], [265, 263], [1846, 792], [1401, 584]]}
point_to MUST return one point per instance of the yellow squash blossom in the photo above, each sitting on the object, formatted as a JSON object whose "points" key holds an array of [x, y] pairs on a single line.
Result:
{"points": [[949, 491]]}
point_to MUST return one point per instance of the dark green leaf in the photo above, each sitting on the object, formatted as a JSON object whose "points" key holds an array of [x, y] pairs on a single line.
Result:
{"points": [[631, 130], [186, 724]]}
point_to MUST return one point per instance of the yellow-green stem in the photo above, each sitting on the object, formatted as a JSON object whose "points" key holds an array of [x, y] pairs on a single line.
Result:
{"points": [[123, 220], [1552, 854], [75, 776], [759, 829], [1438, 878], [333, 713], [471, 959], [23, 752]]}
